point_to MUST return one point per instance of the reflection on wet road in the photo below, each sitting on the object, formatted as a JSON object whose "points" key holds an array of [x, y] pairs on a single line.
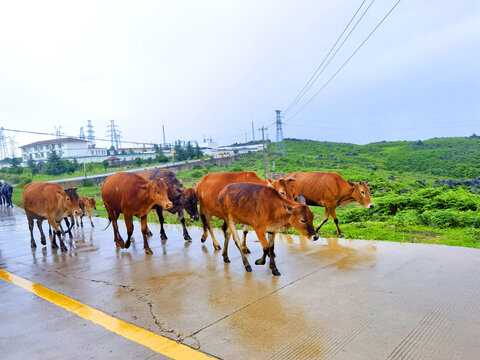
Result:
{"points": [[336, 298]]}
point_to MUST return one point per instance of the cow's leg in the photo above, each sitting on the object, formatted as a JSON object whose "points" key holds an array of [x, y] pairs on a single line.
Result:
{"points": [[204, 224], [216, 245], [245, 249], [267, 250], [56, 233], [68, 226], [325, 218], [143, 222], [90, 217], [181, 217], [113, 217], [271, 241], [233, 230], [81, 220], [335, 220], [49, 229], [226, 232], [30, 227], [163, 235], [42, 235], [129, 224]]}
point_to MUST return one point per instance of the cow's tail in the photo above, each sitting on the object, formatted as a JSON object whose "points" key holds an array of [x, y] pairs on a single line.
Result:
{"points": [[109, 222]]}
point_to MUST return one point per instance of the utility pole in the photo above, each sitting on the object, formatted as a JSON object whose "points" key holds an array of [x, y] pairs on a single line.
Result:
{"points": [[253, 133], [280, 145], [265, 156], [3, 145], [82, 134], [164, 142], [114, 135]]}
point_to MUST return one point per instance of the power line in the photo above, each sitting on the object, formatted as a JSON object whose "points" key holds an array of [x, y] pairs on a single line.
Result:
{"points": [[305, 89], [346, 62]]}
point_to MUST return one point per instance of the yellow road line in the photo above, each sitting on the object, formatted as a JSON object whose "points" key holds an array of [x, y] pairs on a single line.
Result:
{"points": [[160, 344]]}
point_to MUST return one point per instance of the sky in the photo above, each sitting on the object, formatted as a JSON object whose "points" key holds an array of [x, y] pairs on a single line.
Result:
{"points": [[209, 68]]}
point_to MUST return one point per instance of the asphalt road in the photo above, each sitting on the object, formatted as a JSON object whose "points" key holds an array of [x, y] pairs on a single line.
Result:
{"points": [[336, 299]]}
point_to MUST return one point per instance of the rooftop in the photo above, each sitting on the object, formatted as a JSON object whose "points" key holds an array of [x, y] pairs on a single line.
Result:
{"points": [[56, 141]]}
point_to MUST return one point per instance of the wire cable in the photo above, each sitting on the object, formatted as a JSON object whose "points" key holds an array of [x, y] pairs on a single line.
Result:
{"points": [[346, 62], [304, 90]]}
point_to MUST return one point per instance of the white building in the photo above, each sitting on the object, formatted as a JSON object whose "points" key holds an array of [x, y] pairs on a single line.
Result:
{"points": [[67, 148]]}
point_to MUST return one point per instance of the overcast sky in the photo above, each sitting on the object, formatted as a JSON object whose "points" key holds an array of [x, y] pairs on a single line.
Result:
{"points": [[211, 67]]}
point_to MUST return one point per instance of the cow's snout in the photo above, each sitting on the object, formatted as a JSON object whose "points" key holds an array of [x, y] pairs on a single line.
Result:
{"points": [[78, 212], [195, 218], [168, 205], [370, 206]]}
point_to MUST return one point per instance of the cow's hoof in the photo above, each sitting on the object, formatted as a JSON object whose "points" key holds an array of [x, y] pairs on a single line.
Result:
{"points": [[248, 268], [226, 260], [148, 232], [127, 244], [163, 237], [275, 272], [64, 248], [246, 251], [260, 262], [43, 241], [217, 247], [121, 244], [93, 225], [187, 238], [33, 246], [54, 246], [148, 251], [315, 238], [341, 235], [203, 239]]}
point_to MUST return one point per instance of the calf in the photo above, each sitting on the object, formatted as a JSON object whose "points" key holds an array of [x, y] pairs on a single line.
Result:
{"points": [[264, 209], [180, 196], [132, 195], [330, 190], [47, 201], [211, 184], [86, 204], [6, 195]]}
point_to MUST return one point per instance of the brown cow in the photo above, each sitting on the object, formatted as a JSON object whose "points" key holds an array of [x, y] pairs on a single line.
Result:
{"points": [[86, 204], [211, 184], [47, 201], [181, 197], [266, 211], [329, 189], [132, 195]]}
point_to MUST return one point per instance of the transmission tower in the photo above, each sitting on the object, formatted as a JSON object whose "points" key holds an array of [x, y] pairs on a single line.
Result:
{"points": [[280, 145], [82, 134], [90, 133], [58, 132], [3, 145], [114, 134]]}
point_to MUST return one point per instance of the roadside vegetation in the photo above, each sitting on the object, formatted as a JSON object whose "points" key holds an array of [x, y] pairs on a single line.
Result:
{"points": [[423, 191]]}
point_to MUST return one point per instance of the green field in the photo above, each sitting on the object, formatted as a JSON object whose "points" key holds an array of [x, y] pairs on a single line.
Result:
{"points": [[410, 203]]}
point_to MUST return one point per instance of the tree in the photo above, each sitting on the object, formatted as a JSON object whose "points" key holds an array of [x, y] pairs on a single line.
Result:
{"points": [[105, 164], [76, 165], [54, 165], [32, 166], [198, 152], [189, 151], [179, 152], [138, 161]]}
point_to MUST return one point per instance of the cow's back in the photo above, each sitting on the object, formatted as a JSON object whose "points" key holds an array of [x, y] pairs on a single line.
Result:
{"points": [[209, 186], [319, 188], [42, 198], [122, 189], [174, 187]]}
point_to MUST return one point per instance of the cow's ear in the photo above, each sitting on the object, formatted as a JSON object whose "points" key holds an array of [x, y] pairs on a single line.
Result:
{"points": [[351, 183], [366, 181], [58, 191], [288, 208], [143, 186], [269, 180], [193, 186], [291, 179], [301, 199]]}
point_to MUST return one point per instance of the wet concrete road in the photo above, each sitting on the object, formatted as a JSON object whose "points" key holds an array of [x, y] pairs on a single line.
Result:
{"points": [[336, 299]]}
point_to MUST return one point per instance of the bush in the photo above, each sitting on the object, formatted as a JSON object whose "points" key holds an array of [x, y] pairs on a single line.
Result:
{"points": [[88, 183], [24, 181]]}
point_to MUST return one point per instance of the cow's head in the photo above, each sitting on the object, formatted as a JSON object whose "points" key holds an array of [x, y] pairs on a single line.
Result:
{"points": [[284, 187], [157, 189], [69, 202], [72, 199], [92, 203], [361, 193], [301, 218], [189, 202]]}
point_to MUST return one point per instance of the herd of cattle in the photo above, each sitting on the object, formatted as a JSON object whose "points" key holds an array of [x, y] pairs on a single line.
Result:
{"points": [[268, 206], [6, 192]]}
